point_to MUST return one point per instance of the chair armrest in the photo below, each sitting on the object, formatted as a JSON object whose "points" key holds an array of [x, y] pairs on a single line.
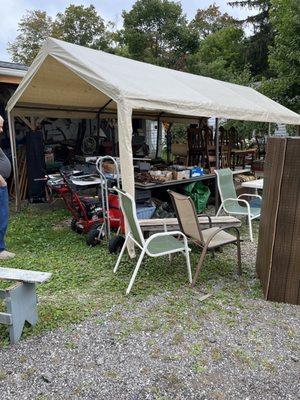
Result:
{"points": [[220, 230], [250, 195], [238, 201], [207, 216]]}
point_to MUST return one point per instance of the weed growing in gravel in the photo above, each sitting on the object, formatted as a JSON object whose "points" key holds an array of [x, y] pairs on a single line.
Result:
{"points": [[243, 356], [2, 374], [216, 354], [196, 349], [199, 368]]}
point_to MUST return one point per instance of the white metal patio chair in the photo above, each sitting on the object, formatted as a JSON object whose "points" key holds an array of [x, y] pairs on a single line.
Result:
{"points": [[231, 203], [158, 244]]}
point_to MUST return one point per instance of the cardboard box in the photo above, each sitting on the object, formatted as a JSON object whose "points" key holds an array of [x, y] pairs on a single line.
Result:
{"points": [[162, 176], [178, 175], [109, 167]]}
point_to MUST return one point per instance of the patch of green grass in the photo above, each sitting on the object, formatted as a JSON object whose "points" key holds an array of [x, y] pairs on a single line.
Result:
{"points": [[199, 367], [83, 280], [2, 375], [196, 349], [216, 354], [243, 356], [268, 364]]}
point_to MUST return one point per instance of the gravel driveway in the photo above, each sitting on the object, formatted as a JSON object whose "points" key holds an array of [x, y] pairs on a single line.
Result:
{"points": [[179, 345]]}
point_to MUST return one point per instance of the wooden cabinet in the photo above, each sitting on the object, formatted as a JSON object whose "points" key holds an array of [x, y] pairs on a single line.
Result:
{"points": [[278, 255]]}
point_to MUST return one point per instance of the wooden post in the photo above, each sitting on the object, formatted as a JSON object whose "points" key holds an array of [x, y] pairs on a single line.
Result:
{"points": [[217, 146], [12, 137]]}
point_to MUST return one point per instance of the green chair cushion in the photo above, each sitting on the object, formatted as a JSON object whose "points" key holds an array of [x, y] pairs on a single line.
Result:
{"points": [[166, 243]]}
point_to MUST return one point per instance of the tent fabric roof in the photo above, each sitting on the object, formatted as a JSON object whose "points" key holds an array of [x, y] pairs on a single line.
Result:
{"points": [[65, 74]]}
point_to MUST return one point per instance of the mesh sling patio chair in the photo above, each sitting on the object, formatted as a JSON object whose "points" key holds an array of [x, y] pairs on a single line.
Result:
{"points": [[158, 244], [207, 239], [231, 203]]}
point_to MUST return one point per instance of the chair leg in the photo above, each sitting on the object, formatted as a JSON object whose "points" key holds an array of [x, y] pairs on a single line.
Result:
{"points": [[188, 264], [188, 261], [120, 255], [219, 210], [137, 267], [250, 228], [199, 265]]}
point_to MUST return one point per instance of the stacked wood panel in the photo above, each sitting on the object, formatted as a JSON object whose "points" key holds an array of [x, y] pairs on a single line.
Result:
{"points": [[278, 255]]}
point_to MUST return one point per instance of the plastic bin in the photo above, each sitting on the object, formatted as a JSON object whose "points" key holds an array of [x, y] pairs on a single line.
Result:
{"points": [[145, 211]]}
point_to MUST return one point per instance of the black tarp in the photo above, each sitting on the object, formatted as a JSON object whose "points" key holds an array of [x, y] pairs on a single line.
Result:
{"points": [[35, 166]]}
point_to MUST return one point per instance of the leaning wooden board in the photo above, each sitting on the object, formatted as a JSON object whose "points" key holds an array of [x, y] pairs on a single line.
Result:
{"points": [[278, 253], [158, 225]]}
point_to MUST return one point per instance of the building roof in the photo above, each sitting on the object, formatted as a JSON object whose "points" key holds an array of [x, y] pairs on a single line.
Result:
{"points": [[12, 72], [11, 65]]}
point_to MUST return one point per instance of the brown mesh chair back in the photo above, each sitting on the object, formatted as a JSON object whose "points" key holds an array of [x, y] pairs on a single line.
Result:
{"points": [[186, 215]]}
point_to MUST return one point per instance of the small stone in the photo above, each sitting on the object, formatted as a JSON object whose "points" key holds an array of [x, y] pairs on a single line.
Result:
{"points": [[100, 361], [294, 358], [212, 340], [46, 378]]}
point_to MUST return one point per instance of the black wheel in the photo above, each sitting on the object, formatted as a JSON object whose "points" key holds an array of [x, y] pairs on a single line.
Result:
{"points": [[73, 225], [116, 243], [93, 238]]}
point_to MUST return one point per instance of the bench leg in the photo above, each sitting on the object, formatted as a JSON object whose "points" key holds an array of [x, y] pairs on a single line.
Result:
{"points": [[21, 303]]}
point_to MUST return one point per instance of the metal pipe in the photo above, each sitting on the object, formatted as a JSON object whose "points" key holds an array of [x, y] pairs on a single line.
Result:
{"points": [[136, 114], [217, 146], [104, 188], [158, 137]]}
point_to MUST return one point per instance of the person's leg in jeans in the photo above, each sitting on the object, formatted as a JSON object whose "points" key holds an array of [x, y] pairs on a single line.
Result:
{"points": [[3, 215]]}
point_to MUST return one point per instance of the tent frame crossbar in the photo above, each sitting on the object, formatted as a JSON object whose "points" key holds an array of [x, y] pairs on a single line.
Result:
{"points": [[94, 114], [136, 114]]}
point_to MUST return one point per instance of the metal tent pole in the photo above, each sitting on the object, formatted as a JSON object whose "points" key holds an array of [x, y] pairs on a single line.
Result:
{"points": [[158, 137], [12, 138], [217, 145]]}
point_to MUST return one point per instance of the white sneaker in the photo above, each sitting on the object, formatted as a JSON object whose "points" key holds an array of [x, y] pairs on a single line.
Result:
{"points": [[6, 254]]}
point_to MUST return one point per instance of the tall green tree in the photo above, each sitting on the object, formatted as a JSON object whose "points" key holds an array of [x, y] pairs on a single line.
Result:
{"points": [[81, 25], [221, 56], [77, 24], [33, 28], [284, 55], [157, 31], [262, 37], [210, 20]]}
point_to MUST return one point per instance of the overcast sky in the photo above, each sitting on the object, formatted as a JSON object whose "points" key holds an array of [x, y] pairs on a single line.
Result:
{"points": [[13, 10]]}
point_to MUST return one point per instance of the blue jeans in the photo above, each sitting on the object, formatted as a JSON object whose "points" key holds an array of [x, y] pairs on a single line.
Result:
{"points": [[3, 215]]}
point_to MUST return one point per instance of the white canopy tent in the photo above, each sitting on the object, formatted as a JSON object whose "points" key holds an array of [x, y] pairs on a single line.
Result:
{"points": [[68, 80]]}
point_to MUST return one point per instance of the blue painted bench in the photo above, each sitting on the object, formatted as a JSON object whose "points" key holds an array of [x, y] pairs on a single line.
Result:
{"points": [[20, 299]]}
